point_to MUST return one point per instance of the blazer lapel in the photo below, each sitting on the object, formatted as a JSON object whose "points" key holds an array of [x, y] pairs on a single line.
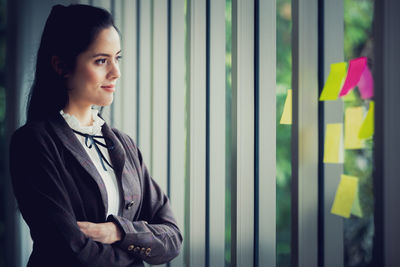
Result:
{"points": [[71, 142], [125, 172], [117, 155]]}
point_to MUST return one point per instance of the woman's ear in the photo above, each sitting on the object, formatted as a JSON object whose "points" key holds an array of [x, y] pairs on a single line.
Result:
{"points": [[59, 66]]}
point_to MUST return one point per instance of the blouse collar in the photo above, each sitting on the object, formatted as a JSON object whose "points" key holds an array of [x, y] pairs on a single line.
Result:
{"points": [[73, 122]]}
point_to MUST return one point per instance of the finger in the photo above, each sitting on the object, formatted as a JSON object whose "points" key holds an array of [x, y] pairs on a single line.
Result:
{"points": [[88, 233], [84, 227], [91, 229], [83, 224], [94, 231]]}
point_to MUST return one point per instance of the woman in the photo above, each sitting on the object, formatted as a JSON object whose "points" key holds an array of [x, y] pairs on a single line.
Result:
{"points": [[81, 186]]}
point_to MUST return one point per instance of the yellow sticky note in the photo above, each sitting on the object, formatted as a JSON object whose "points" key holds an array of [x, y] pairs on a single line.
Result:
{"points": [[334, 82], [356, 209], [287, 109], [345, 196], [333, 152], [352, 124], [367, 128]]}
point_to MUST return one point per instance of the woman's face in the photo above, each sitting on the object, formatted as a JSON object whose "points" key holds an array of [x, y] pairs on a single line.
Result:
{"points": [[96, 72]]}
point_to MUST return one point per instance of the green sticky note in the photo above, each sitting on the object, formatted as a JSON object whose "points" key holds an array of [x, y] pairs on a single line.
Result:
{"points": [[333, 152], [367, 128], [356, 209], [350, 97], [287, 109], [334, 82], [352, 124], [345, 196]]}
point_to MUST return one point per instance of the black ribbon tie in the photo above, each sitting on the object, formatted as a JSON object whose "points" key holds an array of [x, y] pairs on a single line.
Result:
{"points": [[96, 143]]}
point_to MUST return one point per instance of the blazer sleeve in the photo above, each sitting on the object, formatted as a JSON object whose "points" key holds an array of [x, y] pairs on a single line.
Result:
{"points": [[45, 205], [155, 236]]}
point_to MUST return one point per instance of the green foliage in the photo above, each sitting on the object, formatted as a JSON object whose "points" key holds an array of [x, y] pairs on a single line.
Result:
{"points": [[358, 16], [283, 43], [228, 133], [283, 134]]}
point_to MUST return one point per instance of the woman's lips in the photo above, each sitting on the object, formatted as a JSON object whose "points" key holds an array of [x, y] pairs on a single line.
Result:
{"points": [[109, 88]]}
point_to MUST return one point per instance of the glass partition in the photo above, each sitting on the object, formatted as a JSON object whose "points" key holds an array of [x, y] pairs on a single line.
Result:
{"points": [[359, 230], [228, 147], [283, 135]]}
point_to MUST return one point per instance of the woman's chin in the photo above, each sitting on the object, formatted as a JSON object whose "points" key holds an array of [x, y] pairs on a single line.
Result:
{"points": [[106, 102]]}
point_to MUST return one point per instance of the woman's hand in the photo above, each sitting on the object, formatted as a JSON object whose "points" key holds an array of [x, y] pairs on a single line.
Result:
{"points": [[106, 233]]}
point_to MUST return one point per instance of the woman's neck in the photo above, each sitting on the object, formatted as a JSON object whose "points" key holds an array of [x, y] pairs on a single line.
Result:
{"points": [[83, 114]]}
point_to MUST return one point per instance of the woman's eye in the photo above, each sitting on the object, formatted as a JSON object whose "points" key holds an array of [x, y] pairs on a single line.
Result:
{"points": [[101, 61], [119, 58]]}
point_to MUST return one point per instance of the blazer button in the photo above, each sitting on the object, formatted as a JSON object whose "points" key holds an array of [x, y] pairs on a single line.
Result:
{"points": [[136, 249], [131, 247], [130, 204], [148, 250], [142, 251]]}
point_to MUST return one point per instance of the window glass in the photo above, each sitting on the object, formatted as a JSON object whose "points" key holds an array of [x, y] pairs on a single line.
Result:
{"points": [[228, 146], [359, 231], [283, 135]]}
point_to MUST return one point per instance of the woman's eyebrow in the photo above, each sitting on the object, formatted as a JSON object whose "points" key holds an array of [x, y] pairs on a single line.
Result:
{"points": [[104, 55]]}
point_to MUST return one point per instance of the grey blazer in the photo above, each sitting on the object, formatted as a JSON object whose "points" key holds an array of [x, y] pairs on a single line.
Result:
{"points": [[56, 185]]}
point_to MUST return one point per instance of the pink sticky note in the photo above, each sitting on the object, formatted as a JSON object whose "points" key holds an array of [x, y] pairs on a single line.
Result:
{"points": [[356, 68], [366, 84]]}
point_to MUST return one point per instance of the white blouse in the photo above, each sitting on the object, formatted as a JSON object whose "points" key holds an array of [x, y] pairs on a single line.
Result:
{"points": [[109, 178]]}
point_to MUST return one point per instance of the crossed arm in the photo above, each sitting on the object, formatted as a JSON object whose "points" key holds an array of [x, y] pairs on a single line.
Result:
{"points": [[106, 233], [46, 207]]}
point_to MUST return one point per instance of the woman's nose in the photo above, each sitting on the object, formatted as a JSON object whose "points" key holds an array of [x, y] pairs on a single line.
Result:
{"points": [[114, 72]]}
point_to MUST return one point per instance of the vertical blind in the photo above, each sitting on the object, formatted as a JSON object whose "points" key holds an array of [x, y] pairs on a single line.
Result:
{"points": [[172, 100]]}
